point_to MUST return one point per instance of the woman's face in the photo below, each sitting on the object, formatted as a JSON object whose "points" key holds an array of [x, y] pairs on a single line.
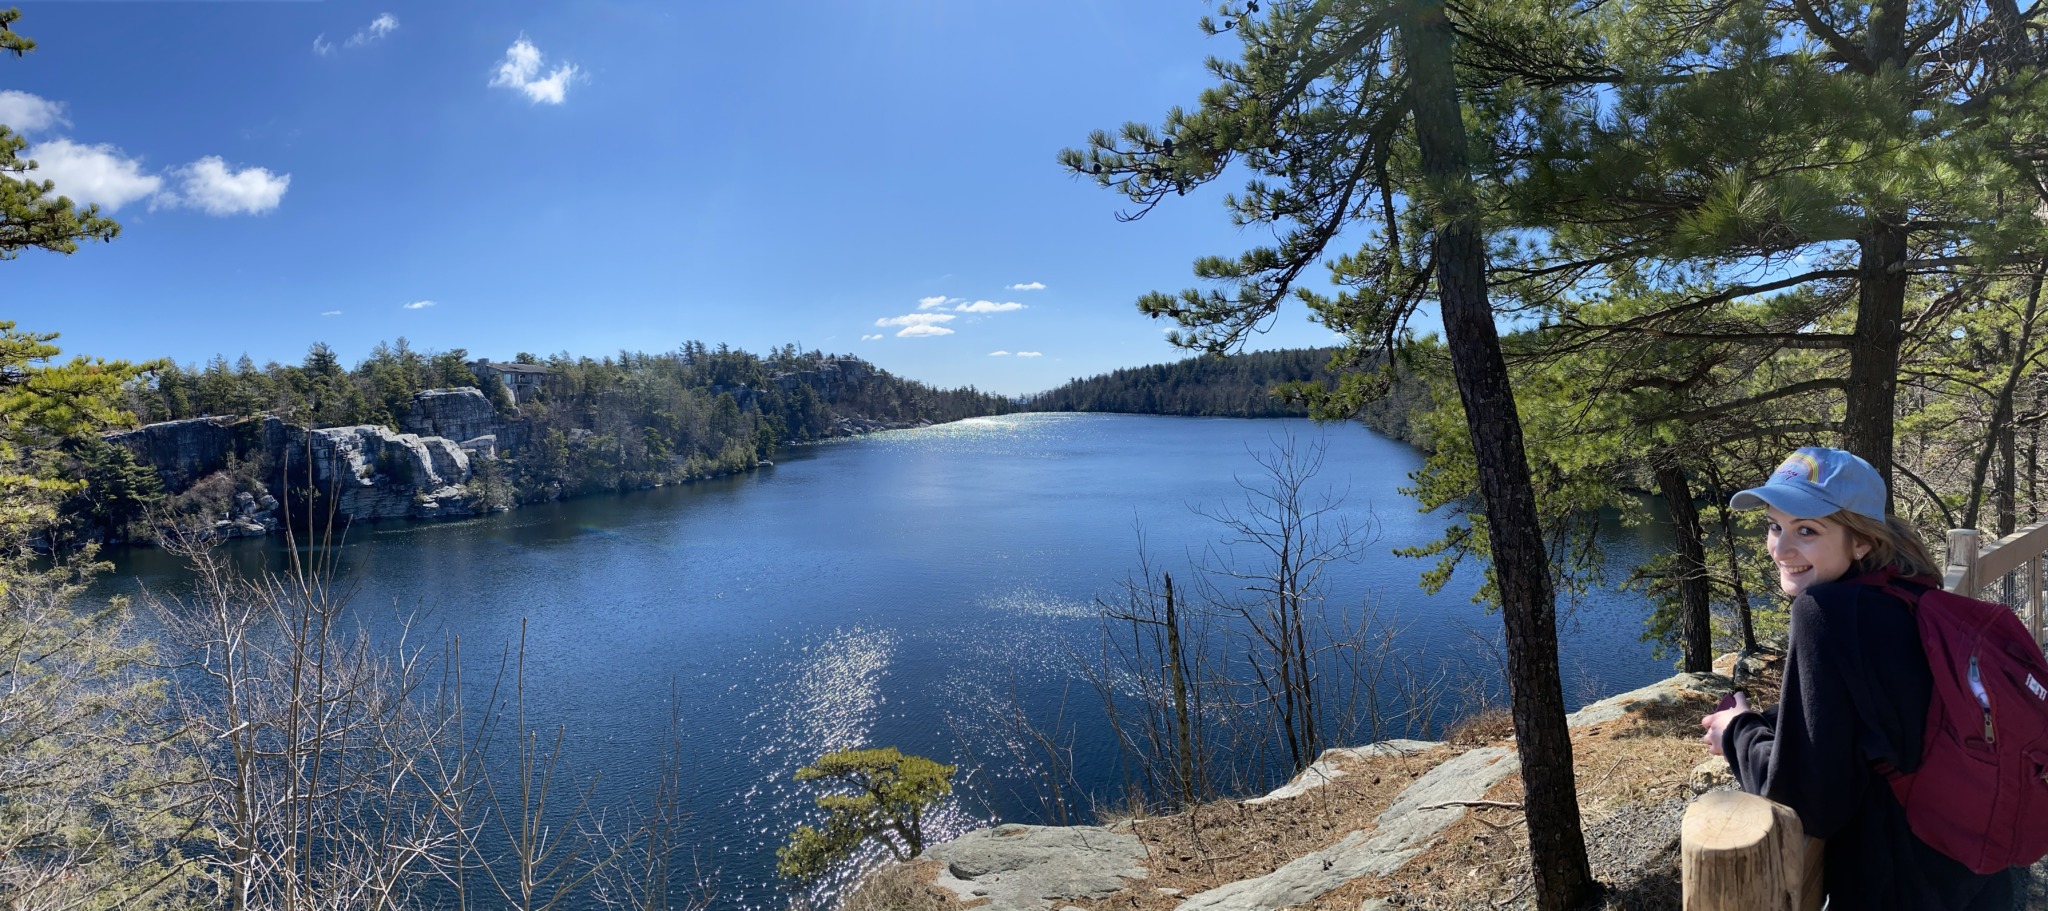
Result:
{"points": [[1810, 551]]}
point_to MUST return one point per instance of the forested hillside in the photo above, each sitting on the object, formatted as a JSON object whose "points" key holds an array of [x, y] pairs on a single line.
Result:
{"points": [[1248, 385], [789, 395], [587, 425]]}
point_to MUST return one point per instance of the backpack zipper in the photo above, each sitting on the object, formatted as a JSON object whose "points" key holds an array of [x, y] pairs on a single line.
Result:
{"points": [[1983, 699]]}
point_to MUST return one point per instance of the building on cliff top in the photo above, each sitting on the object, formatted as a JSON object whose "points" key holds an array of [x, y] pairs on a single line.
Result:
{"points": [[518, 379]]}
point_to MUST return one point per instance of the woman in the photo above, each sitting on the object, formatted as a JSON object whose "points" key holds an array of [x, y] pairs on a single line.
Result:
{"points": [[1856, 689]]}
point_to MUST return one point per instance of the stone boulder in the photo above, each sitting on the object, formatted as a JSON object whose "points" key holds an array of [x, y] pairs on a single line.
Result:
{"points": [[483, 447], [462, 413], [1030, 868], [182, 452], [1663, 691]]}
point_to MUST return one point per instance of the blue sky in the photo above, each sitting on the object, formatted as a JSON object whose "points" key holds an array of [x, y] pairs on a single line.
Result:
{"points": [[596, 176]]}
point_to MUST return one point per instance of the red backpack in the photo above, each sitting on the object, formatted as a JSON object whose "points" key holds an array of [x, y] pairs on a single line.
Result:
{"points": [[1981, 792]]}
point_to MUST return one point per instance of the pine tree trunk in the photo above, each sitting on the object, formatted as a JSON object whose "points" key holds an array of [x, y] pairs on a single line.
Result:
{"points": [[1719, 492], [2008, 476], [1874, 350], [1695, 623], [1521, 565]]}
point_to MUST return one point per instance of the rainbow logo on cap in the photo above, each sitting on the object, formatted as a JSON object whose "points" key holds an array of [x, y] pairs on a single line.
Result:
{"points": [[1799, 466]]}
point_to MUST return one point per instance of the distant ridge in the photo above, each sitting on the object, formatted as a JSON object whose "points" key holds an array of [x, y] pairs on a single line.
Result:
{"points": [[1237, 386]]}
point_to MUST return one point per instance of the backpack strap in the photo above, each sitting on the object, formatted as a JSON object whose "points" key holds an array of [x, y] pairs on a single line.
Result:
{"points": [[1907, 589]]}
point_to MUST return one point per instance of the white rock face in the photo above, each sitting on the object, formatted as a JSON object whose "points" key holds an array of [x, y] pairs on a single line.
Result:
{"points": [[462, 413], [376, 474], [1030, 868]]}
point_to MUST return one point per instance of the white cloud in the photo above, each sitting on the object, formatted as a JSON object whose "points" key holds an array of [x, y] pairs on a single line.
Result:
{"points": [[101, 174], [522, 65], [926, 303], [419, 305], [330, 313], [211, 185], [1029, 354], [916, 319], [988, 307], [26, 113], [93, 173], [383, 25], [918, 325], [1027, 286], [870, 338], [999, 354]]}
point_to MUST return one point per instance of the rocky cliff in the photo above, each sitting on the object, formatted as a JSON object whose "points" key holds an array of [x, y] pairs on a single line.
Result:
{"points": [[370, 472], [182, 451], [375, 474], [459, 414]]}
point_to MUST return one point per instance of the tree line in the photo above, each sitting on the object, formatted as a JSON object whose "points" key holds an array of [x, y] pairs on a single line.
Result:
{"points": [[1252, 384]]}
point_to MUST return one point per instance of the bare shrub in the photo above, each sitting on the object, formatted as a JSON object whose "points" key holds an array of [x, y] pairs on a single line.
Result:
{"points": [[338, 774]]}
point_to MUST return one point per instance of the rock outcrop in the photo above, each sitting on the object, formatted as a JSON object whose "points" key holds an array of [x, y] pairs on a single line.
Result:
{"points": [[375, 474], [371, 472], [1663, 692], [1396, 849], [1027, 868], [830, 378], [184, 451], [462, 413], [1403, 830], [1329, 767]]}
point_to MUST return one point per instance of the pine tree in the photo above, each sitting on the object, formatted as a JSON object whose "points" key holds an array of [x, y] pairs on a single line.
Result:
{"points": [[1349, 112], [30, 216]]}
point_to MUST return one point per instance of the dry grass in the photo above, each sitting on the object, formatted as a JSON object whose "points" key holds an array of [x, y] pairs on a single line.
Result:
{"points": [[1227, 841], [1488, 726], [897, 887], [1643, 759]]}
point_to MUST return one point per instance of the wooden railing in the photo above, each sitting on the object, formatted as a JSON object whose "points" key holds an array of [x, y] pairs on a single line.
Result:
{"points": [[1740, 851], [2008, 570]]}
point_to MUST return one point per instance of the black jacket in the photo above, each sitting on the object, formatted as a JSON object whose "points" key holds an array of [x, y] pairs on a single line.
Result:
{"points": [[1856, 692]]}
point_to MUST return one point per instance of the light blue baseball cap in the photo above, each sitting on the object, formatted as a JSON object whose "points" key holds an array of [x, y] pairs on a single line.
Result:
{"points": [[1816, 481]]}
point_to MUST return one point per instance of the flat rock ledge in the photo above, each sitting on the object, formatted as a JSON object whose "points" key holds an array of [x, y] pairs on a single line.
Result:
{"points": [[1029, 868], [1663, 691], [1424, 809], [1327, 767], [1042, 868]]}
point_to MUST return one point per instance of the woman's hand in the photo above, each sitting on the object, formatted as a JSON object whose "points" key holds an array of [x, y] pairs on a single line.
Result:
{"points": [[1717, 723]]}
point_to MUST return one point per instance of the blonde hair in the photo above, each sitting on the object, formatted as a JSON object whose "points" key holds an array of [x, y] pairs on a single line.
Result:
{"points": [[1892, 543]]}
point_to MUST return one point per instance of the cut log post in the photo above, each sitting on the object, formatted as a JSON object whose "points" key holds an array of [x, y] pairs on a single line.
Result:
{"points": [[1740, 852], [1961, 578]]}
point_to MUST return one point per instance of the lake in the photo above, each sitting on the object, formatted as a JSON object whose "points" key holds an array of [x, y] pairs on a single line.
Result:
{"points": [[889, 590]]}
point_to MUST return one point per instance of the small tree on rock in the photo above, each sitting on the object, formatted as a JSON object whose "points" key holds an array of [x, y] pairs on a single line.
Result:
{"points": [[890, 794]]}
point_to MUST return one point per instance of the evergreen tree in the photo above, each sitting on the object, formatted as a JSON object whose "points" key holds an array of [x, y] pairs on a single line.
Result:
{"points": [[1352, 110], [886, 799], [30, 215]]}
